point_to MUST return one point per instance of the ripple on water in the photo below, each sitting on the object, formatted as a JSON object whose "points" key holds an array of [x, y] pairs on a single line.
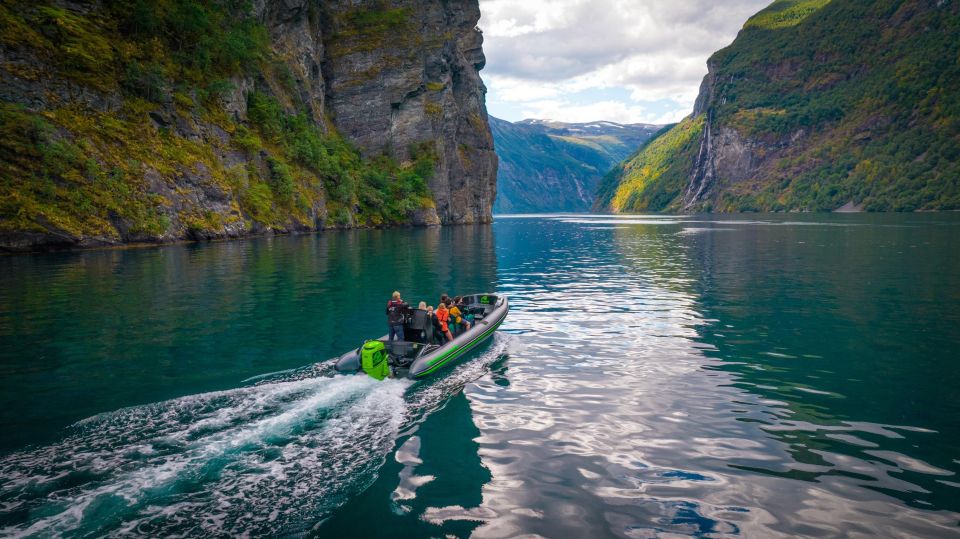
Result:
{"points": [[271, 457], [652, 380]]}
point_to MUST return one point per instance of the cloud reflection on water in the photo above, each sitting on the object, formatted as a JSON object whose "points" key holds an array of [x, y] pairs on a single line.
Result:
{"points": [[626, 416]]}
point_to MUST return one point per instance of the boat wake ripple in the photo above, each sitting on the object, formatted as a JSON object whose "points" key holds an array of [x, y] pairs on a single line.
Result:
{"points": [[262, 459]]}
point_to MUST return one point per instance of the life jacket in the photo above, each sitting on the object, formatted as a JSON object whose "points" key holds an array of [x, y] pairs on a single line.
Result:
{"points": [[373, 360], [443, 316], [395, 312]]}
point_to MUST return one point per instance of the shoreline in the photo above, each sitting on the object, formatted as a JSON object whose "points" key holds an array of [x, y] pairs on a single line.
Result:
{"points": [[68, 248]]}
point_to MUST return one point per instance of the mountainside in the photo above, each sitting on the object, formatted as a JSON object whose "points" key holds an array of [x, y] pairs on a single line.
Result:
{"points": [[817, 105], [554, 166], [160, 120]]}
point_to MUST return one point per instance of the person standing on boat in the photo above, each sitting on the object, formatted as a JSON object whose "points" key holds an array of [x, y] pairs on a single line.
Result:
{"points": [[419, 322], [395, 312], [436, 331], [429, 331], [443, 315]]}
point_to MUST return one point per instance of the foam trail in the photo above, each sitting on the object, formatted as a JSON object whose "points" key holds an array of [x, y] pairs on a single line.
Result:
{"points": [[268, 375], [264, 459]]}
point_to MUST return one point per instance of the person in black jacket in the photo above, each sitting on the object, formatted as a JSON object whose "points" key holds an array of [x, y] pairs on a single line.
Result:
{"points": [[419, 322], [395, 314], [437, 336]]}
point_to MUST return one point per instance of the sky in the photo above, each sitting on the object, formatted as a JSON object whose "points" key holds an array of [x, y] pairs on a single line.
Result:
{"points": [[626, 61]]}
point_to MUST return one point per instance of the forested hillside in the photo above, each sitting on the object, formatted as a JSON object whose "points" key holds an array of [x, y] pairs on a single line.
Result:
{"points": [[555, 166], [155, 121], [816, 105]]}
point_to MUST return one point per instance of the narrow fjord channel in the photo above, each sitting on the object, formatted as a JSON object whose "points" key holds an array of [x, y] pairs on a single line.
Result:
{"points": [[716, 376]]}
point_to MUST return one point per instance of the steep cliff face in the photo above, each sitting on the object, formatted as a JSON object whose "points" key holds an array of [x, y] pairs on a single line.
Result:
{"points": [[155, 121], [550, 166], [406, 75], [816, 105]]}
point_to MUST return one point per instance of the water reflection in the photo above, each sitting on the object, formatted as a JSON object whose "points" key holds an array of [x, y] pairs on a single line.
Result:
{"points": [[431, 487], [654, 385], [764, 376], [836, 354], [95, 331]]}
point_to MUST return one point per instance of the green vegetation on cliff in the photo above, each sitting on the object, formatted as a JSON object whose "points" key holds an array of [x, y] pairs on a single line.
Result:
{"points": [[122, 108], [821, 103], [655, 176]]}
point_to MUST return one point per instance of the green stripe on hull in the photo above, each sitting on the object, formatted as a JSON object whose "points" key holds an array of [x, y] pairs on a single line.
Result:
{"points": [[458, 351]]}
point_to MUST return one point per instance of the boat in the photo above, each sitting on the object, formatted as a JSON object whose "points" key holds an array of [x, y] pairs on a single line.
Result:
{"points": [[416, 360]]}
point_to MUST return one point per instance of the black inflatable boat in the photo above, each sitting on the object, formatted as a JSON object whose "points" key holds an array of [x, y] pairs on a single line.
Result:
{"points": [[408, 359]]}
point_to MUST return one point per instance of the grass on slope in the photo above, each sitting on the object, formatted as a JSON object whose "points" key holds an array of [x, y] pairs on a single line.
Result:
{"points": [[654, 177], [784, 13]]}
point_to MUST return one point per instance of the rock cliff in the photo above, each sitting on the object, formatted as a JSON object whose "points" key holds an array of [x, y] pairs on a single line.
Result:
{"points": [[818, 105], [157, 121]]}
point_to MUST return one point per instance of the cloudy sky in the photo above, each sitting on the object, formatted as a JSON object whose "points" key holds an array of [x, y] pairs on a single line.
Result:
{"points": [[621, 60]]}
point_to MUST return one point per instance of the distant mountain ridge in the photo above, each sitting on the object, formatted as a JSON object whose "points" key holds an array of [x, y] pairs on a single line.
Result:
{"points": [[547, 165], [817, 105]]}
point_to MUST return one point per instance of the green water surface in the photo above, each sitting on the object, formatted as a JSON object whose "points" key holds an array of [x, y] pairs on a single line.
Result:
{"points": [[756, 375]]}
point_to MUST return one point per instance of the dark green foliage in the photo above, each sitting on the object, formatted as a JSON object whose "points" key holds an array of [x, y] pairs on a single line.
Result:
{"points": [[219, 37], [146, 81], [379, 18], [384, 191], [880, 80], [281, 181]]}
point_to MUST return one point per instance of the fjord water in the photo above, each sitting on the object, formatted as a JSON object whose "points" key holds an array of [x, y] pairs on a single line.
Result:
{"points": [[715, 376]]}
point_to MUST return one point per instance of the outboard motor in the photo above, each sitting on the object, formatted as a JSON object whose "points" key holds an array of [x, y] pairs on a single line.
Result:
{"points": [[348, 362], [374, 359]]}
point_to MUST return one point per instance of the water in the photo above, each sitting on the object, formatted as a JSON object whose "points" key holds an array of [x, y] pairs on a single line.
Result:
{"points": [[755, 376]]}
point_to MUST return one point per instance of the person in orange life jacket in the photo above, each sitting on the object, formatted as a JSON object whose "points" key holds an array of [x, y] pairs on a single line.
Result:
{"points": [[395, 313], [443, 315]]}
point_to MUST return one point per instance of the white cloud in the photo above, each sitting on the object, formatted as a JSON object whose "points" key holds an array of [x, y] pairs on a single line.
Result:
{"points": [[544, 51], [615, 111]]}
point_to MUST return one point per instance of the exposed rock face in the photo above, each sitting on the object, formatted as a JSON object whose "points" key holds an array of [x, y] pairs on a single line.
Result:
{"points": [[417, 82], [397, 79]]}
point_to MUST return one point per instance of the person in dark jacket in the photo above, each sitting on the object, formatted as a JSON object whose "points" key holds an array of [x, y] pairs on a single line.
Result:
{"points": [[419, 322], [437, 337], [428, 332], [395, 315]]}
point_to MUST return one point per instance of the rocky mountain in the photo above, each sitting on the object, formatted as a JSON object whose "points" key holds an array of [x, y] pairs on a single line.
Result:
{"points": [[553, 166], [155, 121], [817, 105]]}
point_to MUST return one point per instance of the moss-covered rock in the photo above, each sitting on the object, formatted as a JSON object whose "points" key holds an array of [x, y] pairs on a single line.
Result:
{"points": [[180, 119]]}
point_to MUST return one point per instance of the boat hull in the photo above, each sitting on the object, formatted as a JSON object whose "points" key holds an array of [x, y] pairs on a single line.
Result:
{"points": [[436, 359]]}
